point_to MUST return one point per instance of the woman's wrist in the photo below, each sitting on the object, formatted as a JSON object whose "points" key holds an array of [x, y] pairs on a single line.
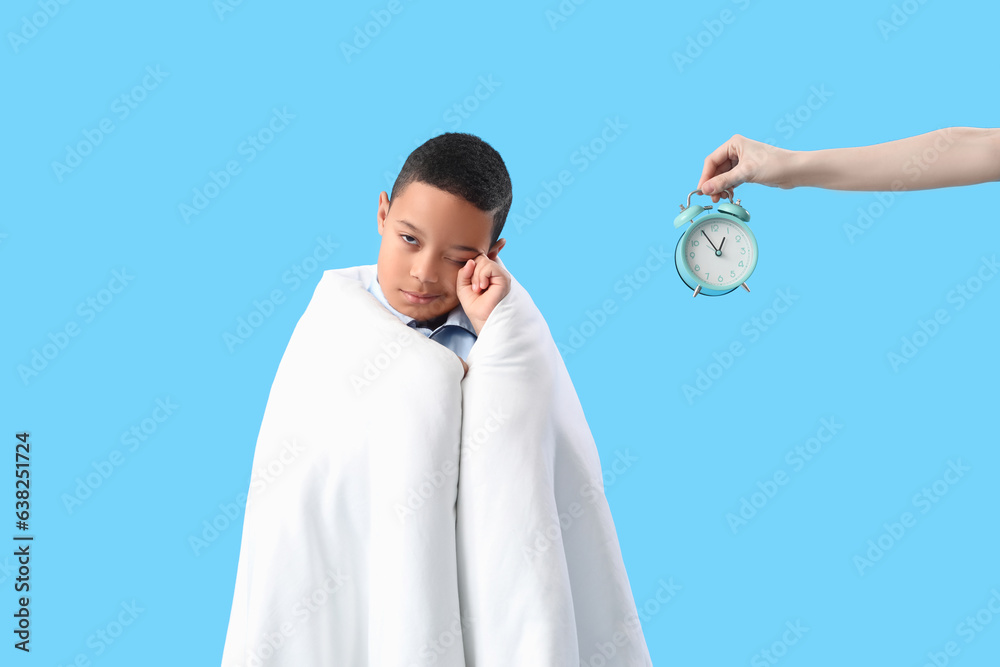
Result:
{"points": [[796, 171]]}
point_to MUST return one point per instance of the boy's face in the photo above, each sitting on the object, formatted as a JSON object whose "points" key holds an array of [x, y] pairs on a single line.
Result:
{"points": [[426, 238]]}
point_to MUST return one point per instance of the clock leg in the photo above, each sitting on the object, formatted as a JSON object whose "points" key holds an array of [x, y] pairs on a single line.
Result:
{"points": [[745, 287], [696, 290]]}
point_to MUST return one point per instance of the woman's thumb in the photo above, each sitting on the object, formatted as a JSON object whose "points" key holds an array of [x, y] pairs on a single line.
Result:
{"points": [[716, 184], [727, 181]]}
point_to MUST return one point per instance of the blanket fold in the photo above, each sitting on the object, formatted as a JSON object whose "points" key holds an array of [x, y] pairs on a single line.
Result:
{"points": [[400, 515]]}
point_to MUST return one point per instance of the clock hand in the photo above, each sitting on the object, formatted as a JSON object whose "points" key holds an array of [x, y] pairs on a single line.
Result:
{"points": [[721, 244], [709, 241]]}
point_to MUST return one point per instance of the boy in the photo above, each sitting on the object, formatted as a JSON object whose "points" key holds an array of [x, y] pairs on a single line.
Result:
{"points": [[440, 236], [423, 521]]}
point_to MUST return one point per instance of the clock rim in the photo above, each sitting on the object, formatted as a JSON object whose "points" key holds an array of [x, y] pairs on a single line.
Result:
{"points": [[679, 260]]}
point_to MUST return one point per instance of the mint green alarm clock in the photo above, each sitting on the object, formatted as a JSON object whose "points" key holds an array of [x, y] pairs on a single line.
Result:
{"points": [[717, 252]]}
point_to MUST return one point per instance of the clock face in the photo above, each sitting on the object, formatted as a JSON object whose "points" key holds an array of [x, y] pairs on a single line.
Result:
{"points": [[720, 253]]}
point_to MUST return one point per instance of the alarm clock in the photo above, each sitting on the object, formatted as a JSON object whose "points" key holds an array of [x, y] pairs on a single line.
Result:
{"points": [[717, 252]]}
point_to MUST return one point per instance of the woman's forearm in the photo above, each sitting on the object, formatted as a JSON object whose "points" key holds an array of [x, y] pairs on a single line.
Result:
{"points": [[942, 158]]}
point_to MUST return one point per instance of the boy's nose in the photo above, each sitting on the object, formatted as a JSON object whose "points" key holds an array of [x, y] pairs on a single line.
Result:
{"points": [[424, 271]]}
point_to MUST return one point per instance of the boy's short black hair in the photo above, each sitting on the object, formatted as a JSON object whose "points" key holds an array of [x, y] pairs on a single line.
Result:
{"points": [[464, 165]]}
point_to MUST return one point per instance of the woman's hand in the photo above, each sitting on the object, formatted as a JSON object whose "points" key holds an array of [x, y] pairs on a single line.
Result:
{"points": [[742, 160]]}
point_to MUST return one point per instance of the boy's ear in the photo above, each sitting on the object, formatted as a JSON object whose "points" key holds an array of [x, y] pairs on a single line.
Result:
{"points": [[383, 211], [492, 254]]}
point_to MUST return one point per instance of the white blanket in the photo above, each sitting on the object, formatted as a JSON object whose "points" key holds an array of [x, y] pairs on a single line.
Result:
{"points": [[400, 515]]}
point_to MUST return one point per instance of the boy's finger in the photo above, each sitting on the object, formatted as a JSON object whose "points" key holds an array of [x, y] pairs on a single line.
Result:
{"points": [[465, 275], [474, 275], [490, 269]]}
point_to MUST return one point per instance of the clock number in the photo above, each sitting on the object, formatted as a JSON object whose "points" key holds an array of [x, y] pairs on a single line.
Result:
{"points": [[732, 274], [743, 251], [715, 228], [691, 255], [738, 237], [720, 278], [741, 262], [727, 230], [706, 275], [694, 243], [697, 267]]}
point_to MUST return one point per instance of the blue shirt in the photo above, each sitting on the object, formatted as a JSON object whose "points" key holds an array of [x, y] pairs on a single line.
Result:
{"points": [[457, 333]]}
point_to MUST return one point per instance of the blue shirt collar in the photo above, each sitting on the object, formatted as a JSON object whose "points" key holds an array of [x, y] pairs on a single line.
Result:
{"points": [[456, 317]]}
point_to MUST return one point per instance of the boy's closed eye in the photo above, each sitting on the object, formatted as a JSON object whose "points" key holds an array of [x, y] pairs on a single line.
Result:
{"points": [[460, 262]]}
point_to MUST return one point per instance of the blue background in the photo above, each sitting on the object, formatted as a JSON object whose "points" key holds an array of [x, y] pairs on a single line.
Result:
{"points": [[684, 461]]}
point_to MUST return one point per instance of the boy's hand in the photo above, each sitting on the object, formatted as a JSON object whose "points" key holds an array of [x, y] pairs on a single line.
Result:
{"points": [[481, 286]]}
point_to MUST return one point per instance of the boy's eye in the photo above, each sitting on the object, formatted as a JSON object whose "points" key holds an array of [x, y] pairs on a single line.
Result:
{"points": [[407, 238]]}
